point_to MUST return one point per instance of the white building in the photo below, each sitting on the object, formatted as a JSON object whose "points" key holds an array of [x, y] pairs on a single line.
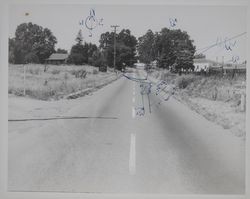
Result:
{"points": [[203, 64]]}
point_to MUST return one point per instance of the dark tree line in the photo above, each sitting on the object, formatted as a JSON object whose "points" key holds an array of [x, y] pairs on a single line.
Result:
{"points": [[172, 49], [34, 44], [104, 54]]}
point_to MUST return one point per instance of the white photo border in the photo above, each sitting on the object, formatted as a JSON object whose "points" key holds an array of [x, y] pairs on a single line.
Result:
{"points": [[4, 33]]}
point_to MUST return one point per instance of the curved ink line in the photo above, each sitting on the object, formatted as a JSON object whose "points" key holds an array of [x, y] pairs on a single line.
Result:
{"points": [[135, 79], [88, 19]]}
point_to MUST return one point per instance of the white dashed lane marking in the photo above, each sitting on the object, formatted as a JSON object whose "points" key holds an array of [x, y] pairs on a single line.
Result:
{"points": [[133, 112], [132, 155]]}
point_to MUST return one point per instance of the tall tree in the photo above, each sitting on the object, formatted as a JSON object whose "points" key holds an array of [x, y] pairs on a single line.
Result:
{"points": [[146, 47], [125, 48], [91, 49], [171, 48], [33, 43], [79, 52]]}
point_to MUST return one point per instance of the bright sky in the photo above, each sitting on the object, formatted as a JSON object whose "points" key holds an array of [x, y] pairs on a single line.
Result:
{"points": [[204, 24]]}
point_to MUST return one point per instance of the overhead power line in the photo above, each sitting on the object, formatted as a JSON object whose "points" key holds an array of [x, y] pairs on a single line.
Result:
{"points": [[218, 43]]}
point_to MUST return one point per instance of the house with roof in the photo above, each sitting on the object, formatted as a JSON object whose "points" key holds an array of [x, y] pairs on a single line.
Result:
{"points": [[57, 58], [203, 64]]}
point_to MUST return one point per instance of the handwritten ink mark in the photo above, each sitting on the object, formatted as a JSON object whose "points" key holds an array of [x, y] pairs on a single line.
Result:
{"points": [[91, 22], [235, 59], [225, 43], [140, 111], [173, 22]]}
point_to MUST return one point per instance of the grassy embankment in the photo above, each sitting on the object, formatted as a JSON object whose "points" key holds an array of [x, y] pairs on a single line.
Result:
{"points": [[217, 98], [56, 82]]}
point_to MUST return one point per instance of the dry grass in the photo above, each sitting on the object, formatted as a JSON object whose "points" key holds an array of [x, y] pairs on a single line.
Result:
{"points": [[55, 83], [218, 88]]}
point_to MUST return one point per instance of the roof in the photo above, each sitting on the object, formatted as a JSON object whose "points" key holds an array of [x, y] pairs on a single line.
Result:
{"points": [[58, 56]]}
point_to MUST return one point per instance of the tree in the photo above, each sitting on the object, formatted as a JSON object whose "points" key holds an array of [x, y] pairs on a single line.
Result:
{"points": [[79, 52], [31, 39], [11, 50], [98, 58], [78, 55], [91, 49], [146, 47], [63, 51], [171, 48], [31, 57], [125, 48]]}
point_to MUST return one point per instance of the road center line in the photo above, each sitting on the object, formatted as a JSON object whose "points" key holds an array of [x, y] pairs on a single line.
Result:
{"points": [[133, 112], [132, 155], [133, 99]]}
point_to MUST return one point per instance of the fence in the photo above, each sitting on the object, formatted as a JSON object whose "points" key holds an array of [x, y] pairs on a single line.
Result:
{"points": [[224, 71]]}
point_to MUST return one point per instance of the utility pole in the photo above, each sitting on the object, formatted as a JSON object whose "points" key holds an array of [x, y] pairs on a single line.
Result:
{"points": [[114, 26]]}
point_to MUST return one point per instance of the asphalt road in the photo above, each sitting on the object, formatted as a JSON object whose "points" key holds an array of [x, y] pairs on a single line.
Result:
{"points": [[170, 150]]}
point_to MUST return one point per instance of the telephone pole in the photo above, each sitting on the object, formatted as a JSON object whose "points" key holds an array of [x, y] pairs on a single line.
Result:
{"points": [[114, 26]]}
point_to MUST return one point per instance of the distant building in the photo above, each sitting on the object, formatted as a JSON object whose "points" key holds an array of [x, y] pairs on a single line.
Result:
{"points": [[57, 58], [203, 64]]}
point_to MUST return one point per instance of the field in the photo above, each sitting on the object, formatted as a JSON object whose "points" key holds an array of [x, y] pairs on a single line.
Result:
{"points": [[56, 81]]}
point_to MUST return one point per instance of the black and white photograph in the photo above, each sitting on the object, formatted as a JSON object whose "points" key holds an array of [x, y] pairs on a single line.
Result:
{"points": [[127, 99]]}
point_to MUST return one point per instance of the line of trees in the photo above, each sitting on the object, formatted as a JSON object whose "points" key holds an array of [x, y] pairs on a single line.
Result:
{"points": [[34, 44], [172, 49], [104, 54], [125, 48]]}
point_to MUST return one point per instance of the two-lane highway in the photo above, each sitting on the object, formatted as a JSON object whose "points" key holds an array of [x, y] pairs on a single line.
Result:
{"points": [[170, 150]]}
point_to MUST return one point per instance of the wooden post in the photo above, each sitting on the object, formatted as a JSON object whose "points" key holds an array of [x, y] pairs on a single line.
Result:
{"points": [[24, 79]]}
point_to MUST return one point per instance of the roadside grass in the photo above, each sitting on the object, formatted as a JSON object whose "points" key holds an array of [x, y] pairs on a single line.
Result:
{"points": [[211, 87], [216, 97], [56, 82]]}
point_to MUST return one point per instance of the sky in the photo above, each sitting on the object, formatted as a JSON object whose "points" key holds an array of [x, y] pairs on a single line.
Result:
{"points": [[205, 24]]}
